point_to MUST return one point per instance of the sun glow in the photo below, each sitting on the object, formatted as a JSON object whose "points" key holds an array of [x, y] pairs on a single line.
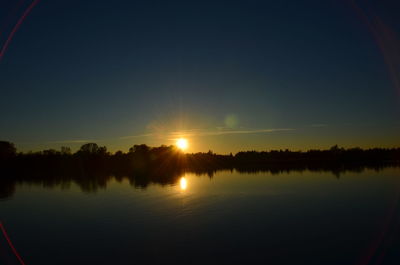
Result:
{"points": [[183, 183], [182, 143]]}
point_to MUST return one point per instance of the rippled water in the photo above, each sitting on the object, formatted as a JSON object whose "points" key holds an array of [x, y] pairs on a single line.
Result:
{"points": [[231, 218]]}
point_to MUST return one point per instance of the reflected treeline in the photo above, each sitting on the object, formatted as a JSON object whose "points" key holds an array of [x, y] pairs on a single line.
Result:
{"points": [[92, 166]]}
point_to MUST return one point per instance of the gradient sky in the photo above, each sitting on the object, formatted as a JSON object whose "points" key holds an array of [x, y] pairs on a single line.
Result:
{"points": [[228, 75]]}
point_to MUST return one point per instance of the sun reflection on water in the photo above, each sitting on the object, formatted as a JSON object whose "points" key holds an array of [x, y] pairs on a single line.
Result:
{"points": [[183, 183]]}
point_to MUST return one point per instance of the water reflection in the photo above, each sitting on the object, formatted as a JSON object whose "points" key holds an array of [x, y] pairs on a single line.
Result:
{"points": [[183, 183], [255, 218], [94, 178]]}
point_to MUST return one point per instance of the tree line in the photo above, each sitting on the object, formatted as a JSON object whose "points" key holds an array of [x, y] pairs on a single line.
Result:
{"points": [[92, 159], [144, 155], [144, 158]]}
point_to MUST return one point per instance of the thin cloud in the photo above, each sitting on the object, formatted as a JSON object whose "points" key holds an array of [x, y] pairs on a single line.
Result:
{"points": [[60, 142], [201, 132], [138, 136], [227, 132], [72, 141]]}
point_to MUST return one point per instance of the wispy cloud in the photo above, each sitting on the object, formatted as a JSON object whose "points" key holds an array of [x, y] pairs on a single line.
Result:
{"points": [[226, 132], [138, 136], [38, 143], [213, 132], [72, 141]]}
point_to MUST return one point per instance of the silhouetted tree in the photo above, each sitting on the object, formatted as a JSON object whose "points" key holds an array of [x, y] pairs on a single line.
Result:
{"points": [[7, 150], [89, 148], [142, 149], [65, 150], [50, 152]]}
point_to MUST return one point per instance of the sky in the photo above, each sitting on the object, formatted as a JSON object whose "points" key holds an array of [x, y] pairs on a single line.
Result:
{"points": [[226, 75]]}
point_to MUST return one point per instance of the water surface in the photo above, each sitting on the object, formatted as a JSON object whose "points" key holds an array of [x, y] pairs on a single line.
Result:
{"points": [[229, 218]]}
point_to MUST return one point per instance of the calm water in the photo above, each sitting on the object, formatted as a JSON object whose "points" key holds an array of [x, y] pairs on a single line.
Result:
{"points": [[231, 218]]}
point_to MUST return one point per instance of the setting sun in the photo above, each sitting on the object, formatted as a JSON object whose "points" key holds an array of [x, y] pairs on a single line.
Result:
{"points": [[182, 143]]}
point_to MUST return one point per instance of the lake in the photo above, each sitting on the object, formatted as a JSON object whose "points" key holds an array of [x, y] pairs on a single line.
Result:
{"points": [[223, 218]]}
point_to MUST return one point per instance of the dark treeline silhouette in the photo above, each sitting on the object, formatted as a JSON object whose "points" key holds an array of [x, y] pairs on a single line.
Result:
{"points": [[92, 166]]}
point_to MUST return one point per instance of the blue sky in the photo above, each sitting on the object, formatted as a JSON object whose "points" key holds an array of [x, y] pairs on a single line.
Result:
{"points": [[228, 75]]}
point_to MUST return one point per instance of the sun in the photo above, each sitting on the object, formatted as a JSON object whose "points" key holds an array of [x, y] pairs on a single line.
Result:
{"points": [[182, 143]]}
